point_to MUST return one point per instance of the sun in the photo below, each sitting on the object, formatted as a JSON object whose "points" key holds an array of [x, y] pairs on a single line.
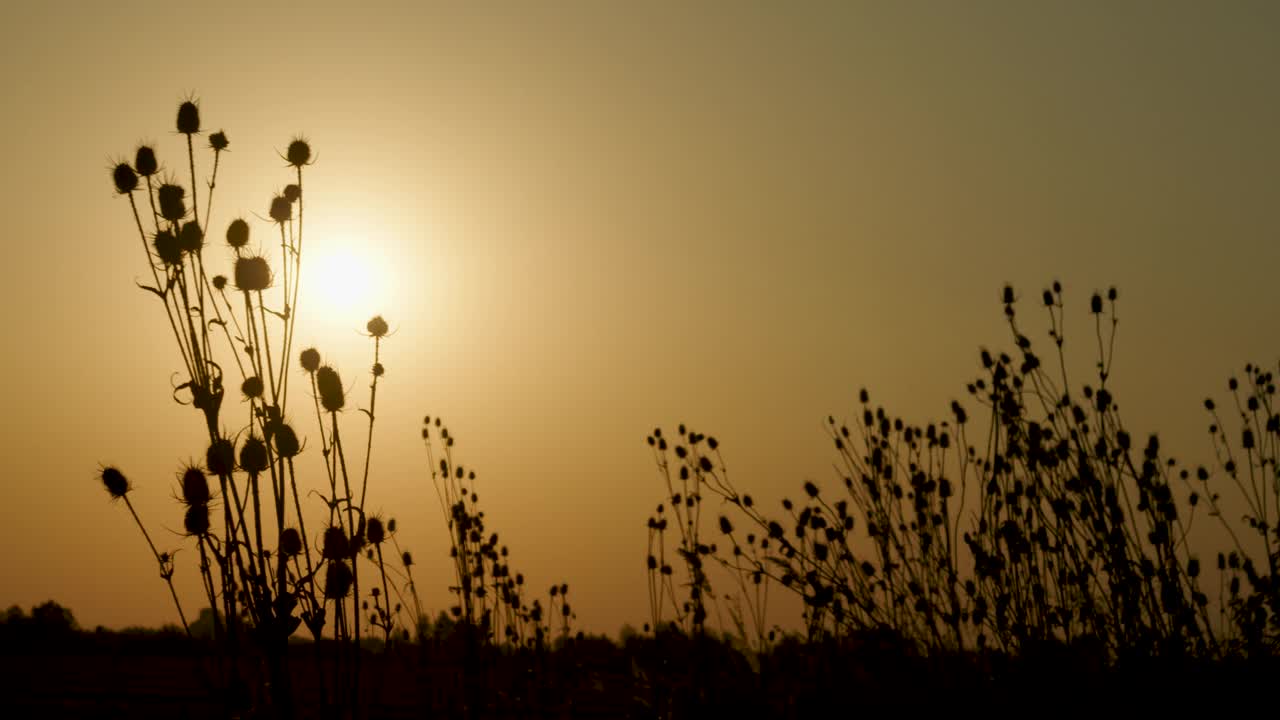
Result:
{"points": [[345, 286]]}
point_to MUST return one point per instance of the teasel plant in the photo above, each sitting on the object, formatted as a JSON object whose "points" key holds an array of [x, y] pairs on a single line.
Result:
{"points": [[264, 573]]}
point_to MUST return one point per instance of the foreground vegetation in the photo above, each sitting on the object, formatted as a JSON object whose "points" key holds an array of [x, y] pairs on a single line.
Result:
{"points": [[1028, 541]]}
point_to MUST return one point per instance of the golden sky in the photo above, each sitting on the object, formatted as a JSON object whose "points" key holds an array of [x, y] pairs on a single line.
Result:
{"points": [[587, 219]]}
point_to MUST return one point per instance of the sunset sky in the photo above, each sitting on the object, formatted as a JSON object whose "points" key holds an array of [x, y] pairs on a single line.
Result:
{"points": [[583, 220]]}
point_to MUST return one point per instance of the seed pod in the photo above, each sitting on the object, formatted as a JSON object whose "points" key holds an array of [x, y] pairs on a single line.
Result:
{"points": [[218, 141], [290, 542], [115, 482], [378, 370], [238, 233], [299, 153], [286, 441], [195, 486], [171, 199], [253, 273], [125, 178], [219, 282], [310, 360], [144, 161], [168, 247], [377, 327], [253, 455], [191, 237], [375, 531], [330, 387], [337, 581], [252, 387], [335, 545], [292, 192], [407, 559], [220, 458], [281, 209], [188, 118], [196, 519]]}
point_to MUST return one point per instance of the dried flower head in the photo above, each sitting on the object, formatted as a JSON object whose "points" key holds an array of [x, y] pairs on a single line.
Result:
{"points": [[253, 273], [220, 458], [252, 387], [218, 141], [335, 545], [125, 178], [329, 386], [196, 520], [337, 581], [375, 531], [377, 327], [310, 359], [281, 209], [195, 486], [238, 233], [115, 482], [168, 247], [172, 201], [285, 440], [299, 152], [191, 237], [253, 455], [144, 161], [219, 282], [290, 542], [188, 118], [378, 370]]}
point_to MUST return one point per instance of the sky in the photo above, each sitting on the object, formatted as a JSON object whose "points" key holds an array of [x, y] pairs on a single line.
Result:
{"points": [[585, 220]]}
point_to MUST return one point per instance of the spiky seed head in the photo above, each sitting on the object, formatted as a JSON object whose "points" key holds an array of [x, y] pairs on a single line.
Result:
{"points": [[252, 387], [253, 273], [115, 482], [188, 118], [337, 581], [172, 201], [310, 359], [391, 525], [330, 387], [378, 370], [125, 178], [1095, 304], [407, 559], [196, 519], [144, 161], [286, 441], [191, 237], [238, 233], [220, 458], [292, 192], [218, 141], [219, 282], [168, 247], [281, 209], [375, 531], [290, 542], [335, 545], [377, 327], [299, 153], [195, 486], [253, 455]]}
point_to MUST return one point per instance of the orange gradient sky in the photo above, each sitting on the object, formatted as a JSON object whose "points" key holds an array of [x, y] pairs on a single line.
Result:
{"points": [[587, 219]]}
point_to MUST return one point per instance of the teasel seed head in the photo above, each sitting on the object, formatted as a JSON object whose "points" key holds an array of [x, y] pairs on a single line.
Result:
{"points": [[286, 440], [281, 209], [218, 141], [337, 581], [377, 327], [292, 192], [253, 273], [330, 387], [196, 519], [188, 118], [252, 387], [191, 237], [310, 359], [115, 482], [299, 152], [125, 178], [335, 545], [253, 455], [172, 204], [195, 486], [238, 233], [375, 531], [168, 247], [290, 543], [220, 458], [378, 370], [144, 161], [219, 282]]}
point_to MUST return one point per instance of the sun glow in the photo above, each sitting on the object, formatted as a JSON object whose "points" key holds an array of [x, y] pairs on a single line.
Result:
{"points": [[345, 286]]}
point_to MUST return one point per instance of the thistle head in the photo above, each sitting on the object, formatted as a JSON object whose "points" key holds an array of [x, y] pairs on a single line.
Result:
{"points": [[299, 152], [281, 209], [253, 273], [253, 455], [188, 118], [191, 237], [218, 141], [310, 359], [195, 486], [329, 386], [172, 203], [144, 161], [286, 440], [168, 247], [377, 327], [115, 482], [238, 233], [125, 178]]}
